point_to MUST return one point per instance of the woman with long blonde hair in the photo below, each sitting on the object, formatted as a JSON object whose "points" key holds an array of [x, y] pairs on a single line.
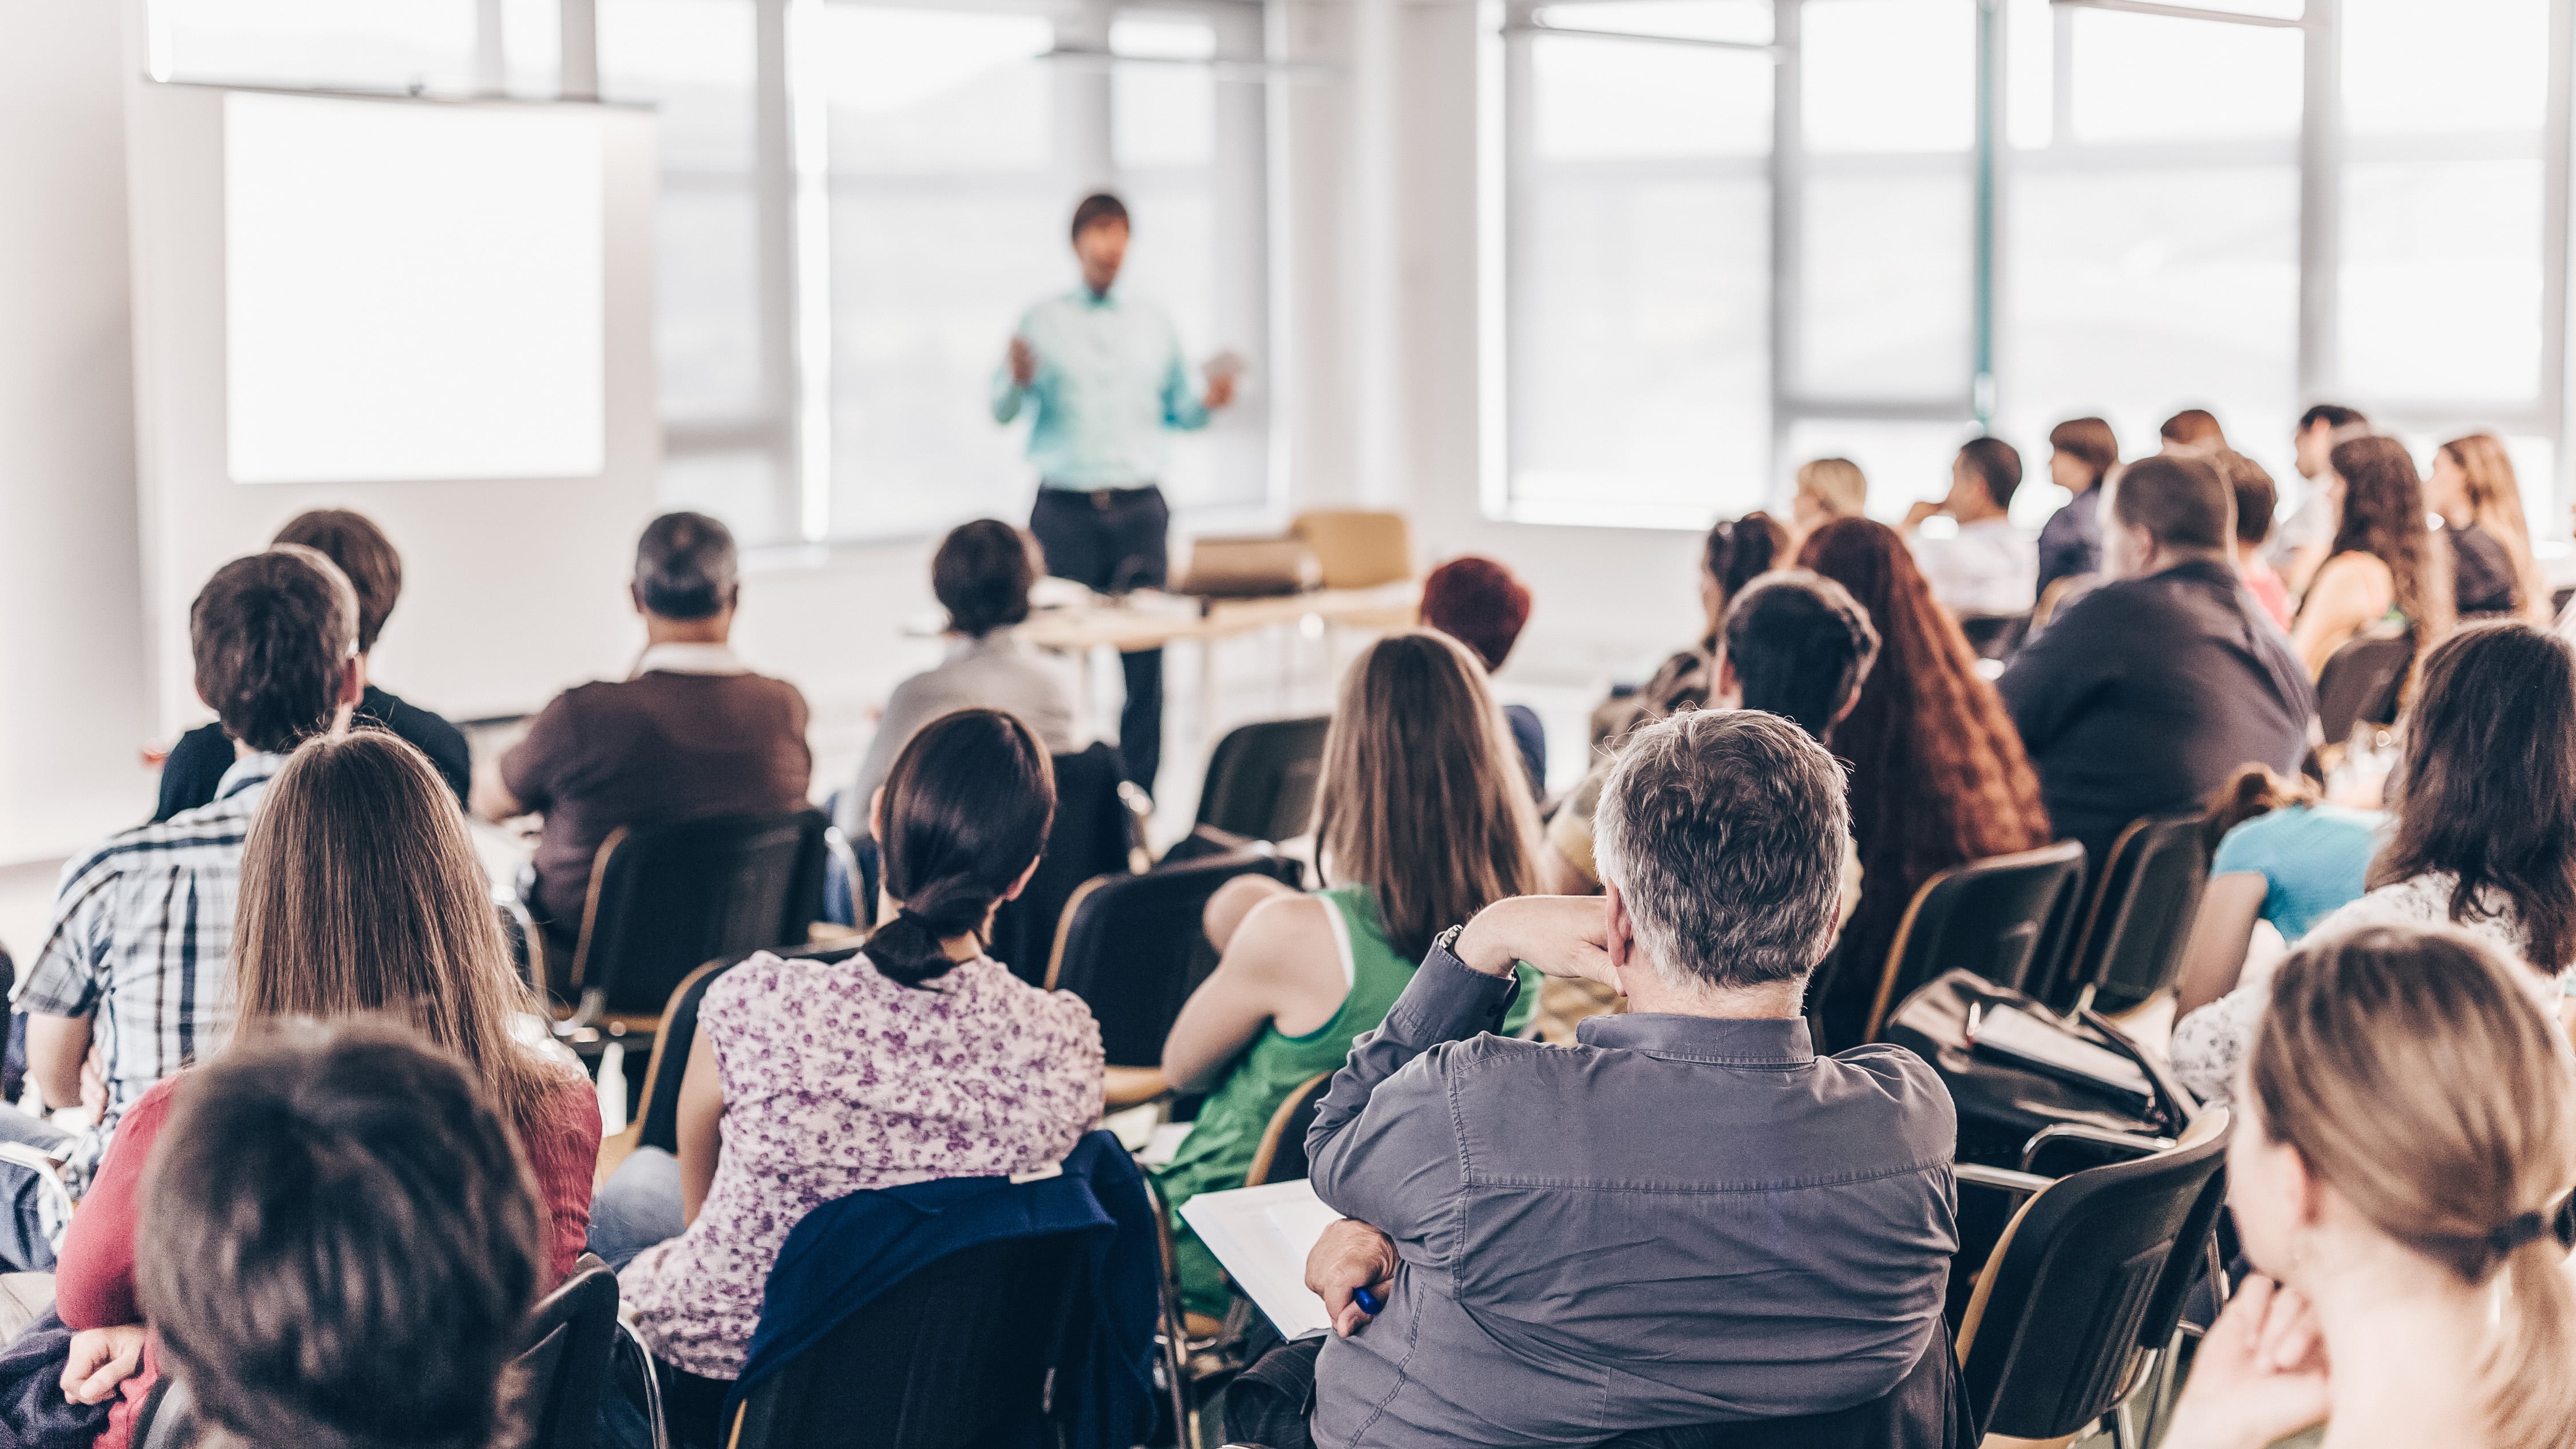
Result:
{"points": [[1422, 819], [2408, 1139], [361, 896], [2473, 488]]}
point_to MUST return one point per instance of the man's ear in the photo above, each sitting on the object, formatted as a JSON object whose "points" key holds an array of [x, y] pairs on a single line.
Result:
{"points": [[1621, 939], [635, 596], [1730, 690], [353, 681]]}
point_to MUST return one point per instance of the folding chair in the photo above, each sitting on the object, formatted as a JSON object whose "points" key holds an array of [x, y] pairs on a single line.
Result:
{"points": [[1992, 917]]}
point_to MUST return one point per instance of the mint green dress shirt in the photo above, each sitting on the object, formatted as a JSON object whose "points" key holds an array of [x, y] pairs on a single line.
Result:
{"points": [[1110, 379]]}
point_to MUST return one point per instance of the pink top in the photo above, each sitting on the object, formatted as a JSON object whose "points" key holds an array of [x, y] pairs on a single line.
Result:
{"points": [[837, 1080], [2268, 589]]}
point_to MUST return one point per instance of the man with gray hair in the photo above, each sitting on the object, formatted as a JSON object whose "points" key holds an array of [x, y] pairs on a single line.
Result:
{"points": [[1686, 1219], [693, 733]]}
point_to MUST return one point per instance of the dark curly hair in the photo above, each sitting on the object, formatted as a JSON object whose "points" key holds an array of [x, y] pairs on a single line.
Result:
{"points": [[1938, 774], [2383, 516]]}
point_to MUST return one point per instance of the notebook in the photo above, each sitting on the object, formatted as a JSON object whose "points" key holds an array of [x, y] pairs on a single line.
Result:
{"points": [[2007, 1032], [1262, 1235]]}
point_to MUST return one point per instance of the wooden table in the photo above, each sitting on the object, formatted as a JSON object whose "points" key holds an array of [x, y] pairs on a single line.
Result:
{"points": [[1159, 621]]}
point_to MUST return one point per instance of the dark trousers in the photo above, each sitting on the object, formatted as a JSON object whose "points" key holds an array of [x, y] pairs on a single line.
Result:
{"points": [[1112, 541]]}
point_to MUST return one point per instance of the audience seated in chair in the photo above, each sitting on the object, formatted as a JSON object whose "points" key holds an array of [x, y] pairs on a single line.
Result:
{"points": [[1798, 645], [2407, 1140], [694, 733], [2083, 451], [190, 777], [1825, 489], [811, 1079], [143, 923], [1989, 566], [361, 896], [1542, 1226], [2492, 567], [2257, 499], [1737, 550], [2484, 837], [339, 1246], [2279, 853], [2383, 557], [1938, 776], [1421, 819], [2148, 692], [1477, 602], [981, 576], [2299, 544]]}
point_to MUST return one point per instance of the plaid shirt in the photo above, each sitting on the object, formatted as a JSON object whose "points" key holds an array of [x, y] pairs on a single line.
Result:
{"points": [[141, 939]]}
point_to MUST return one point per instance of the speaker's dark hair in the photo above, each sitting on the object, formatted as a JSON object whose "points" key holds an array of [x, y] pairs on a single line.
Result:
{"points": [[967, 808]]}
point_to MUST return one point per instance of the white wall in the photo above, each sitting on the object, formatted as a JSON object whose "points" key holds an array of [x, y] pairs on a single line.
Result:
{"points": [[72, 693]]}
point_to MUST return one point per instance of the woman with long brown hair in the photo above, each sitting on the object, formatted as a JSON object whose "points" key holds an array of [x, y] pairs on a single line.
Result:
{"points": [[361, 895], [1938, 775], [2473, 488], [2408, 1138], [2383, 559], [2485, 832], [1422, 819]]}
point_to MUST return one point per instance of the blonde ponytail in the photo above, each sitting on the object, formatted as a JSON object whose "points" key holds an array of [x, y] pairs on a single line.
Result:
{"points": [[2528, 1376]]}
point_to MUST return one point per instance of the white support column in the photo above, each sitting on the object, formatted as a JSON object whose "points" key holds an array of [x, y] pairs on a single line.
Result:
{"points": [[580, 51]]}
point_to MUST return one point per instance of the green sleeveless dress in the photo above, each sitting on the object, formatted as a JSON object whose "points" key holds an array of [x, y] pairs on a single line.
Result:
{"points": [[1219, 1150]]}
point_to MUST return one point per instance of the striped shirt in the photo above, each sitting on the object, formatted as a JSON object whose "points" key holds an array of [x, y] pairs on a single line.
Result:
{"points": [[141, 939]]}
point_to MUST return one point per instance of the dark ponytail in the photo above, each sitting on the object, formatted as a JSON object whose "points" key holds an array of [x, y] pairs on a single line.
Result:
{"points": [[967, 807]]}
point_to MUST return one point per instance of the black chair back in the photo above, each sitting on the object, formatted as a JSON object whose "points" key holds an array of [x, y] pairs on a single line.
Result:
{"points": [[947, 1358], [1928, 1409], [665, 898], [1992, 917], [1261, 780], [1281, 1157], [1090, 837], [2130, 946], [1133, 947], [658, 1121], [2362, 681], [167, 1418], [1995, 636], [2088, 1280], [564, 1369]]}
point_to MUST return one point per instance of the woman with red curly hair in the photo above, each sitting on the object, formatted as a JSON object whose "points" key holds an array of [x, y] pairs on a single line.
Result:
{"points": [[1938, 774]]}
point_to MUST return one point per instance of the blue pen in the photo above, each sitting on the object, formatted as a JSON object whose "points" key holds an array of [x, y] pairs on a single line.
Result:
{"points": [[1369, 1302]]}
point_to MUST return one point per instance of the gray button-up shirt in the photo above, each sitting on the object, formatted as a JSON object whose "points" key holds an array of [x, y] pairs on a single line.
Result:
{"points": [[1678, 1221]]}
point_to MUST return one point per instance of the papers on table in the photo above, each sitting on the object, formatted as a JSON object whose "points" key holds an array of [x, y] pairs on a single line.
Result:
{"points": [[1262, 1235]]}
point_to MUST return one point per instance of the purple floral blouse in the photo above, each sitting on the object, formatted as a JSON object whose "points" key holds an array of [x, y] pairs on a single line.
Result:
{"points": [[837, 1080]]}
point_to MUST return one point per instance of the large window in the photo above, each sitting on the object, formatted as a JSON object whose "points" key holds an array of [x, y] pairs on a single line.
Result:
{"points": [[857, 202], [1948, 216]]}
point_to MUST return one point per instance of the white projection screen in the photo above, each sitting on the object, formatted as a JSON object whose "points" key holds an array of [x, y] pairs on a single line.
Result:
{"points": [[411, 292], [437, 313]]}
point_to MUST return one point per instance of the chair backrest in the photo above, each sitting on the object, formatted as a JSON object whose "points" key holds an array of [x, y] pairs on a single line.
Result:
{"points": [[1281, 1156], [946, 1358], [664, 898], [1261, 780], [1990, 916], [2362, 681], [1927, 1409], [167, 1418], [1994, 636], [1089, 837], [1133, 947], [658, 1124], [564, 1368], [2088, 1280], [2130, 945], [1358, 549]]}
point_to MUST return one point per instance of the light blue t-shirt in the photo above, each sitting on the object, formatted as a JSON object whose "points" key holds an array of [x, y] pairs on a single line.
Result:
{"points": [[2314, 859]]}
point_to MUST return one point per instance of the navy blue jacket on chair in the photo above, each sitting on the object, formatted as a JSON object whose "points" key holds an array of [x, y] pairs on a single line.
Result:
{"points": [[848, 1251]]}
